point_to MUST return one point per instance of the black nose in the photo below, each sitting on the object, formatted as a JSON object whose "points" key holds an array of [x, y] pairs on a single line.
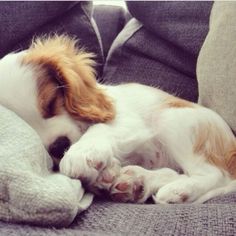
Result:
{"points": [[58, 147]]}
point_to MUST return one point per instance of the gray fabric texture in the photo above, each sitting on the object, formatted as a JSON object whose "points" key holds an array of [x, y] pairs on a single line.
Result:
{"points": [[106, 218], [110, 21], [216, 68], [162, 51], [20, 21], [29, 192]]}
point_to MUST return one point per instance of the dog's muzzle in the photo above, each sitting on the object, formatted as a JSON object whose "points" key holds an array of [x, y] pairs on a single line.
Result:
{"points": [[58, 147]]}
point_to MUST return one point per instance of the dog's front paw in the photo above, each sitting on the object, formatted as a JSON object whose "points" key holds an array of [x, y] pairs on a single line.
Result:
{"points": [[85, 162]]}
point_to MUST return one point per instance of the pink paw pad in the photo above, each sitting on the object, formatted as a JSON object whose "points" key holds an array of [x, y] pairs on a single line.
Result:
{"points": [[131, 190], [122, 186], [95, 164]]}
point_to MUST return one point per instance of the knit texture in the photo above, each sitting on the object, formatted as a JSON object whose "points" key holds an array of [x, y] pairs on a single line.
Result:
{"points": [[107, 218], [29, 192]]}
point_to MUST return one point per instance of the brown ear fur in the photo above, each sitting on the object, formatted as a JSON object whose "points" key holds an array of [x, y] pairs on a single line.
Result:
{"points": [[73, 69]]}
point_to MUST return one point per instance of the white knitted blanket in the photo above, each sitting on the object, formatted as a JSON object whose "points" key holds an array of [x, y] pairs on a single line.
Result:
{"points": [[29, 192]]}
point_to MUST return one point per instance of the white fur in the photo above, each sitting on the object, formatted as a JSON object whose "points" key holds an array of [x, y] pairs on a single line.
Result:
{"points": [[142, 133], [18, 92]]}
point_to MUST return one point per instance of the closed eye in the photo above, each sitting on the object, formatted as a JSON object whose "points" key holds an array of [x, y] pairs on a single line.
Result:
{"points": [[50, 108]]}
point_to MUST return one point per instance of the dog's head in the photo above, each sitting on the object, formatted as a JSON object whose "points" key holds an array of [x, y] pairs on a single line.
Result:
{"points": [[52, 86]]}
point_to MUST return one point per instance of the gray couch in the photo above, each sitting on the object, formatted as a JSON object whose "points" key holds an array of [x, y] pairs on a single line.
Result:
{"points": [[156, 44]]}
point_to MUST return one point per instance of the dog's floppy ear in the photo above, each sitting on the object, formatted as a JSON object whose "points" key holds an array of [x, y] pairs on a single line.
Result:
{"points": [[72, 68]]}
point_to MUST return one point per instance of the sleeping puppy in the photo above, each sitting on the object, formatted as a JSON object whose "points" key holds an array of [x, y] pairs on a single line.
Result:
{"points": [[131, 140]]}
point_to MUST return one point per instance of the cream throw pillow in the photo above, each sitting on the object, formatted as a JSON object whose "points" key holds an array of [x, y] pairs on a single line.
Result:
{"points": [[29, 192], [216, 67]]}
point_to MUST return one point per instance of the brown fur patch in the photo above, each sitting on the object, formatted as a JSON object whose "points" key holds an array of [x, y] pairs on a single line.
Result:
{"points": [[72, 69], [174, 102], [50, 97], [217, 145]]}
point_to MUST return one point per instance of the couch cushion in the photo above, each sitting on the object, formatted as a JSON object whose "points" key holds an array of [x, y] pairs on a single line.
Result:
{"points": [[159, 46], [184, 24], [110, 21], [20, 21], [107, 218], [217, 63]]}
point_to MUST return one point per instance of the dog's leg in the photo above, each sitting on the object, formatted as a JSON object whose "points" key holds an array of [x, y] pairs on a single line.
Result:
{"points": [[190, 188], [90, 155], [189, 140], [136, 184], [98, 148]]}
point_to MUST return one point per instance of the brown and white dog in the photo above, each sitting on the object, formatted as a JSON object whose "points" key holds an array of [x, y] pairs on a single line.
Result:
{"points": [[132, 140]]}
